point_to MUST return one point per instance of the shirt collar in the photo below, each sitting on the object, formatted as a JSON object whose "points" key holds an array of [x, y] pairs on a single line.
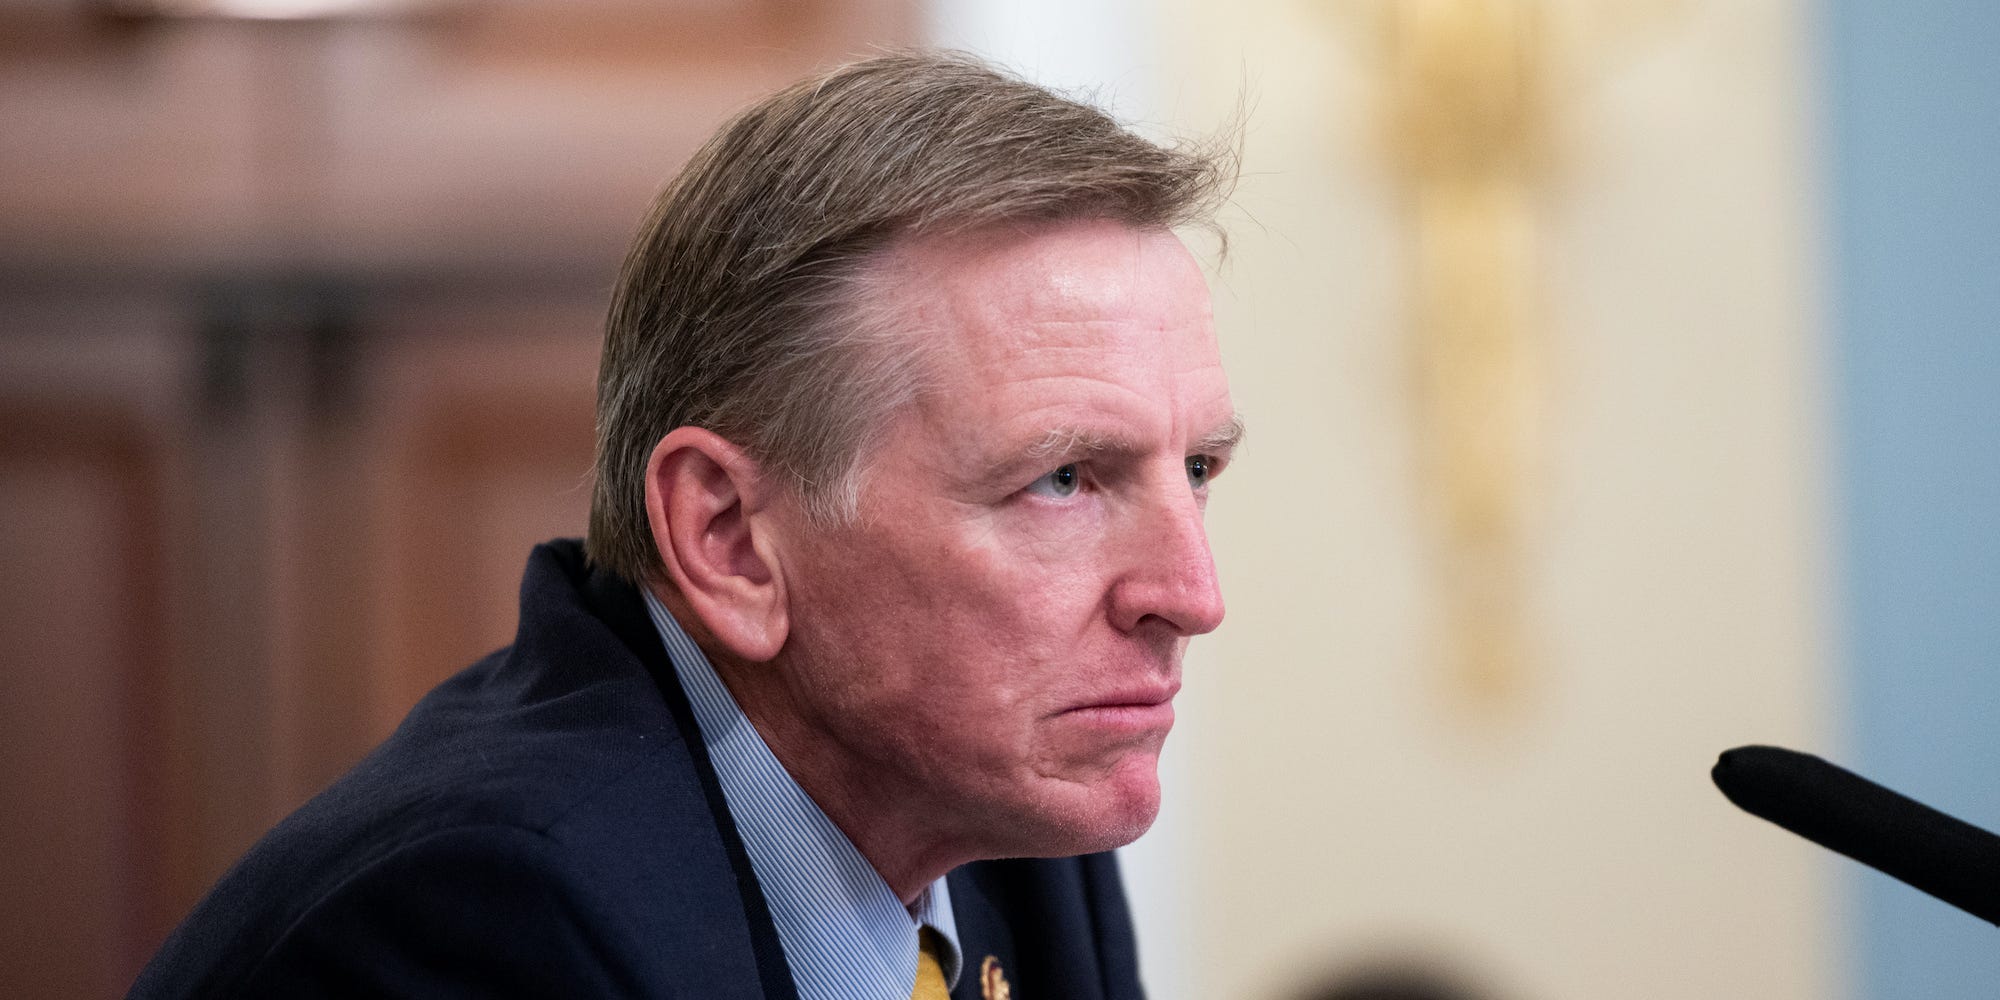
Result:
{"points": [[844, 932]]}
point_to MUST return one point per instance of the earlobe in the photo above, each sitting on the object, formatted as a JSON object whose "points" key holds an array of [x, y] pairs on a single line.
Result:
{"points": [[704, 501]]}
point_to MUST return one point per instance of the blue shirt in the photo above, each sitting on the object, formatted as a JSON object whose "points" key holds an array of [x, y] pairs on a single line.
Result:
{"points": [[846, 935]]}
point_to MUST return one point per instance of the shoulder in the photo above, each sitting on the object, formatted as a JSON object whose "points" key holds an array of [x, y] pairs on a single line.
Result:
{"points": [[477, 910], [597, 887], [418, 858], [546, 792]]}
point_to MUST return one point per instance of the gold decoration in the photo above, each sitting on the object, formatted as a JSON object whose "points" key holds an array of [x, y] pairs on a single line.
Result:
{"points": [[1471, 113], [1469, 122]]}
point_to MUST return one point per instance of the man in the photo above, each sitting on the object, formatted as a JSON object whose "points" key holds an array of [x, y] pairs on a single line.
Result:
{"points": [[909, 405]]}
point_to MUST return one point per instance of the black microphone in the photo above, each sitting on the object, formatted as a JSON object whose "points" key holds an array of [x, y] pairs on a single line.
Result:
{"points": [[1842, 811]]}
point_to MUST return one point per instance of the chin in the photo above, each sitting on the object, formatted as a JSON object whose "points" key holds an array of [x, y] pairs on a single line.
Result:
{"points": [[1107, 813]]}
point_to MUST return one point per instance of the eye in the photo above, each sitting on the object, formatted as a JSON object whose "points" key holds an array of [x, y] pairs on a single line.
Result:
{"points": [[1199, 469], [1062, 482]]}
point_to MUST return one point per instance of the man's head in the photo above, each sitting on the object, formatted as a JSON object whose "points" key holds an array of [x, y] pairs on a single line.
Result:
{"points": [[908, 406], [745, 303]]}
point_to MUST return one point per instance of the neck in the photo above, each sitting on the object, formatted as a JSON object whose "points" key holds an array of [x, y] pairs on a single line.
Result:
{"points": [[908, 852], [904, 850]]}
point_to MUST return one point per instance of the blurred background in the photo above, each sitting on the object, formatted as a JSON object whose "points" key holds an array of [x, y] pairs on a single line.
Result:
{"points": [[1623, 386]]}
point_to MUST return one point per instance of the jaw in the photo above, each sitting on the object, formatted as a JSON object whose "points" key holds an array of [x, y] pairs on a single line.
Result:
{"points": [[1068, 813], [1040, 816], [1113, 811]]}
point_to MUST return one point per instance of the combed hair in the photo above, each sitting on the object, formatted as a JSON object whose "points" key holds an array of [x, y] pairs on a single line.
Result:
{"points": [[743, 305]]}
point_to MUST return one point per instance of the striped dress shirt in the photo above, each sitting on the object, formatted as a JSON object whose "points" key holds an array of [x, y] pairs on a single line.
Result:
{"points": [[846, 936]]}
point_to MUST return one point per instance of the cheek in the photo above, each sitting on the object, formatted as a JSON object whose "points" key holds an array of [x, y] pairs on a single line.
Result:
{"points": [[1032, 551], [989, 617], [1035, 597]]}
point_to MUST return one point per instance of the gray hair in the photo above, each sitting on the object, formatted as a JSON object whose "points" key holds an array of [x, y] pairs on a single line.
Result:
{"points": [[744, 304]]}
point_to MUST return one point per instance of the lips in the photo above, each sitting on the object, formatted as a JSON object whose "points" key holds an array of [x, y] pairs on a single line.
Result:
{"points": [[1141, 707], [1152, 695]]}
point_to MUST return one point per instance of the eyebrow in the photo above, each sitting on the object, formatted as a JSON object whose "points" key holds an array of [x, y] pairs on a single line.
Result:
{"points": [[1223, 439], [1075, 441], [1078, 442]]}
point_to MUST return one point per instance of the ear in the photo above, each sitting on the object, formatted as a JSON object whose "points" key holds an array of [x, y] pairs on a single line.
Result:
{"points": [[704, 498]]}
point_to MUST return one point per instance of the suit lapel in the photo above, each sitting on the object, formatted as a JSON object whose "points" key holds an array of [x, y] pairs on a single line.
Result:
{"points": [[984, 937], [744, 946]]}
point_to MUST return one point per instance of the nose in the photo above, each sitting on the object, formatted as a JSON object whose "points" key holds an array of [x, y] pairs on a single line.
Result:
{"points": [[1170, 579]]}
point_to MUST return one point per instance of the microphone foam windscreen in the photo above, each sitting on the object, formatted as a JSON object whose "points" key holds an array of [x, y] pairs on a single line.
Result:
{"points": [[1842, 811]]}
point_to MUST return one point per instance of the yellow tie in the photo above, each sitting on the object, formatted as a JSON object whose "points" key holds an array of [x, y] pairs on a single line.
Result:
{"points": [[930, 974]]}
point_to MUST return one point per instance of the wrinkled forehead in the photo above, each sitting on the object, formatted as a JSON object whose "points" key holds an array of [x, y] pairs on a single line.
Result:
{"points": [[991, 293]]}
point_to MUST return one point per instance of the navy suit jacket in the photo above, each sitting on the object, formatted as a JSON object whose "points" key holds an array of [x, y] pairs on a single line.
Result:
{"points": [[547, 823]]}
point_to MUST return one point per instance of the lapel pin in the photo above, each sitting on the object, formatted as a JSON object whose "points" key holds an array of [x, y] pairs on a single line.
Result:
{"points": [[993, 982]]}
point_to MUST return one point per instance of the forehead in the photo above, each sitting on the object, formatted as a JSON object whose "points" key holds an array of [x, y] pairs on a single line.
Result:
{"points": [[1080, 299], [999, 279]]}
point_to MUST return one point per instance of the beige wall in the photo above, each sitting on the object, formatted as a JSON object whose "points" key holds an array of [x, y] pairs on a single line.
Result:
{"points": [[1339, 800]]}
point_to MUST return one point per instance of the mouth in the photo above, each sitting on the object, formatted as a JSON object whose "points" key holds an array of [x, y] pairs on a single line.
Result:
{"points": [[1143, 707]]}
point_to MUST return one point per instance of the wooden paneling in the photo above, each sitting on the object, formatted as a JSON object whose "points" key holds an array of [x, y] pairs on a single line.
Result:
{"points": [[401, 520], [523, 135], [298, 337], [485, 445], [84, 701]]}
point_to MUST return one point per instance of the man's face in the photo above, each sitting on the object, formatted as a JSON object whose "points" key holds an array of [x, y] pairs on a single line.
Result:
{"points": [[994, 647]]}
